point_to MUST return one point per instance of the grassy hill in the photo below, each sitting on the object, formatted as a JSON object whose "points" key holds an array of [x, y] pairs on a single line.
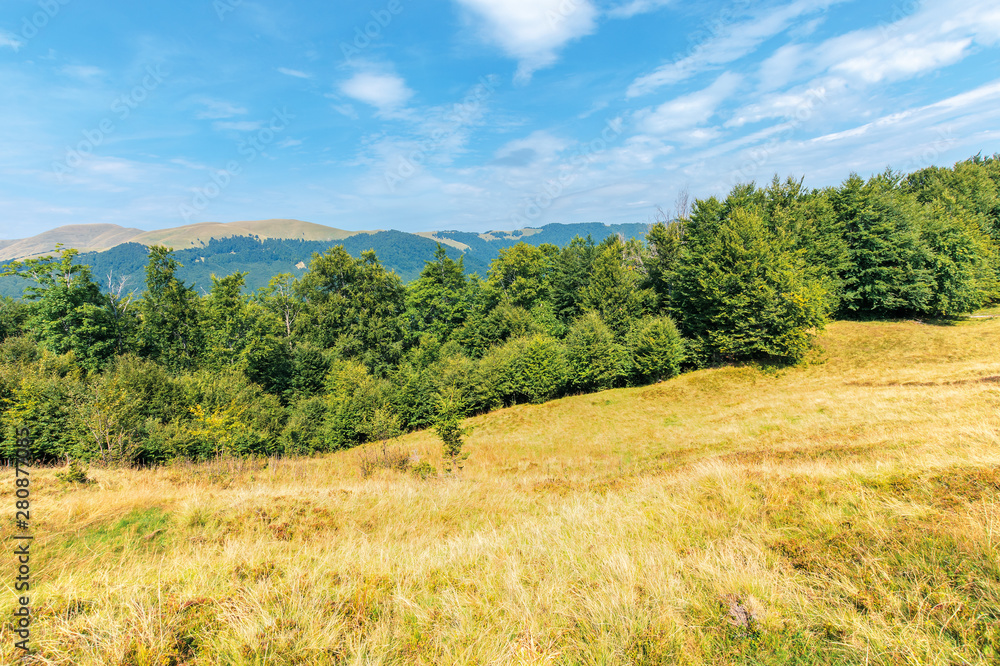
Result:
{"points": [[844, 512], [83, 237], [199, 235]]}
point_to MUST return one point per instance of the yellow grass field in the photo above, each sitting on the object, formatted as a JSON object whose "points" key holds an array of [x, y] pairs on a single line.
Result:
{"points": [[842, 512]]}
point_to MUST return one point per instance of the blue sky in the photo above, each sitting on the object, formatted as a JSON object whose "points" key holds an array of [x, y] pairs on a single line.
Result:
{"points": [[470, 114]]}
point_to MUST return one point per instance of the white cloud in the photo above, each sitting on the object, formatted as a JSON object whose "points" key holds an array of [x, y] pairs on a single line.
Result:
{"points": [[533, 31], [537, 146], [289, 143], [294, 72], [894, 61], [689, 110], [729, 42], [786, 105], [936, 35], [386, 92], [215, 108], [635, 7], [10, 41], [237, 126], [82, 71]]}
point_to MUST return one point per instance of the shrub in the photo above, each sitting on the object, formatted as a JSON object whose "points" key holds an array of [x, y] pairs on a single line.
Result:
{"points": [[596, 361], [532, 369], [74, 473], [303, 433], [449, 429], [656, 349]]}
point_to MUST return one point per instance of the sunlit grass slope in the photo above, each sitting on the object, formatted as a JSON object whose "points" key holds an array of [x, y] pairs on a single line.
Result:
{"points": [[844, 512]]}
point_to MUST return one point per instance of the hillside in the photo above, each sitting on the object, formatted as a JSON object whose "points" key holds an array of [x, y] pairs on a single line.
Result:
{"points": [[84, 237], [266, 248], [199, 235], [843, 512]]}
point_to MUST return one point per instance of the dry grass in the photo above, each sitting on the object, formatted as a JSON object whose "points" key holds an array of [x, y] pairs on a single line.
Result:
{"points": [[844, 512]]}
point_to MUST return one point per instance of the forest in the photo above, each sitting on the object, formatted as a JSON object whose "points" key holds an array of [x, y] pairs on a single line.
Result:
{"points": [[347, 353]]}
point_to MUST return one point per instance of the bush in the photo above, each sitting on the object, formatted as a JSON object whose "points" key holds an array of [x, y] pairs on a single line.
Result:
{"points": [[530, 369], [74, 473], [656, 349], [596, 361], [303, 433], [451, 432]]}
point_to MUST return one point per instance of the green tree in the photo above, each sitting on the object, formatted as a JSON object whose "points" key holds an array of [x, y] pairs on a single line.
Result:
{"points": [[449, 428], [614, 290], [67, 311], [887, 272], [519, 276], [170, 329], [437, 300], [353, 307], [570, 275], [746, 294]]}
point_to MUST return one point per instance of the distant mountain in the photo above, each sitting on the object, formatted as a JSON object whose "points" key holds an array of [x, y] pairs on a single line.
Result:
{"points": [[100, 237], [266, 248], [199, 235], [83, 237]]}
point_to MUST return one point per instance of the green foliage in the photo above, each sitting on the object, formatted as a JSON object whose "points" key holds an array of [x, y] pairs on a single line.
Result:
{"points": [[519, 276], [43, 398], [614, 289], [664, 240], [12, 317], [449, 428], [170, 329], [67, 311], [595, 359], [437, 301], [656, 349], [344, 354], [570, 276], [353, 307], [303, 432], [528, 369], [746, 294], [887, 272], [75, 473]]}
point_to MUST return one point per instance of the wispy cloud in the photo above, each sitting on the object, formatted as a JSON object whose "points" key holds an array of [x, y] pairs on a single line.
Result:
{"points": [[10, 41], [688, 110], [730, 42], [84, 72], [295, 73], [635, 7], [237, 126], [217, 108]]}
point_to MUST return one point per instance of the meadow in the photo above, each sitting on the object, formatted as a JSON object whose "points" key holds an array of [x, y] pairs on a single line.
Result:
{"points": [[844, 511]]}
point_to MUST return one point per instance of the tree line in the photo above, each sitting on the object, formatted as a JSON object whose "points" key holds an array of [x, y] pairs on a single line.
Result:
{"points": [[347, 353]]}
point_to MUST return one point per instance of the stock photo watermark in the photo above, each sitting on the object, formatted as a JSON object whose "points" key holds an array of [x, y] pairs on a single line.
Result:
{"points": [[900, 11], [23, 539], [32, 24], [461, 114], [757, 158], [931, 153], [223, 7], [364, 35], [249, 148], [534, 206], [122, 107]]}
